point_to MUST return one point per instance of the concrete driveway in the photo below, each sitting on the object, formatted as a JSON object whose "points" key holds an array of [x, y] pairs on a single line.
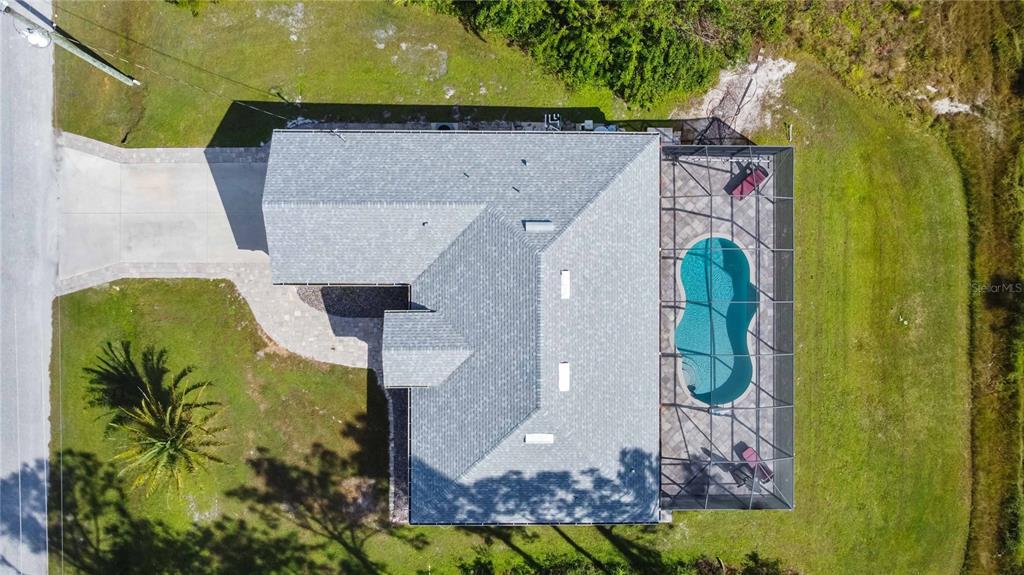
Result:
{"points": [[178, 212], [171, 213]]}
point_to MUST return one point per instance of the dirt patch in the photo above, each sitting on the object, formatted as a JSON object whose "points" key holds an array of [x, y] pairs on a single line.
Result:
{"points": [[382, 35], [360, 498], [272, 347], [293, 18], [201, 516], [255, 387], [742, 95]]}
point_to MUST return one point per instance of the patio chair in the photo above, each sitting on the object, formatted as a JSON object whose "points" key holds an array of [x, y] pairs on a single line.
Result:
{"points": [[745, 182], [764, 475]]}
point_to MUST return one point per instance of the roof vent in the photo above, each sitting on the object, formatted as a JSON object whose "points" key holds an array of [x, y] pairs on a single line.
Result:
{"points": [[564, 372], [539, 438], [533, 226]]}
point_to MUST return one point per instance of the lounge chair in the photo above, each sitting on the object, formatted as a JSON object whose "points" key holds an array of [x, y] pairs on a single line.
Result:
{"points": [[752, 176], [764, 475]]}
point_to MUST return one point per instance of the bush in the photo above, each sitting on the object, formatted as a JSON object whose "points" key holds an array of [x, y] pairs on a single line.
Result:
{"points": [[641, 49], [753, 564]]}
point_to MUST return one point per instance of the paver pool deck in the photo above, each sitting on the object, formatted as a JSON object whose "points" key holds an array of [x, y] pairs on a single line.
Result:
{"points": [[698, 447]]}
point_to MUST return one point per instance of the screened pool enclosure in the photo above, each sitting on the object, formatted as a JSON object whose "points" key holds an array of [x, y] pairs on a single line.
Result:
{"points": [[726, 327]]}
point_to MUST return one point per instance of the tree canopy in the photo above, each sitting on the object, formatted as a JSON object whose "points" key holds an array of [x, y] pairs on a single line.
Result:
{"points": [[641, 49]]}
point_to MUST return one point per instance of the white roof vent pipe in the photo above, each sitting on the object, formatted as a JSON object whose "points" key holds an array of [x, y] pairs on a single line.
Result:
{"points": [[538, 226], [564, 375], [539, 438]]}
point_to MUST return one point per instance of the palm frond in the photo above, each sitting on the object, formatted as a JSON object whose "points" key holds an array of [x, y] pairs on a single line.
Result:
{"points": [[166, 426]]}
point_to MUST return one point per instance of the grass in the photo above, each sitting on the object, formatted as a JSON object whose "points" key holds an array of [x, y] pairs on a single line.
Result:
{"points": [[281, 403], [281, 55], [899, 52], [883, 454]]}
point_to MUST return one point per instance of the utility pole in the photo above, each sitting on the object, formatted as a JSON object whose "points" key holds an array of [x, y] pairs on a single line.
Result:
{"points": [[37, 36]]}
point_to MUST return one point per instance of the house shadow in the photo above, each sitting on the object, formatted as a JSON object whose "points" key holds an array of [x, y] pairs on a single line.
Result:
{"points": [[250, 123], [357, 312]]}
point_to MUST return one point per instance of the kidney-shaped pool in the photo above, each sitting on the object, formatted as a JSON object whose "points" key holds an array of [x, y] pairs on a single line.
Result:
{"points": [[712, 335]]}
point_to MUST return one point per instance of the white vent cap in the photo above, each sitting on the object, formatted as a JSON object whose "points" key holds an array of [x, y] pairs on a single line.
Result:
{"points": [[539, 438], [535, 226]]}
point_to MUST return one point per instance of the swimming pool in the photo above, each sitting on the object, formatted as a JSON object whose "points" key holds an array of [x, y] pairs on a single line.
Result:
{"points": [[712, 334]]}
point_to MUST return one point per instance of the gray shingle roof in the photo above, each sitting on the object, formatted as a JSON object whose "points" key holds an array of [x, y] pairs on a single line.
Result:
{"points": [[344, 208], [421, 349], [320, 242]]}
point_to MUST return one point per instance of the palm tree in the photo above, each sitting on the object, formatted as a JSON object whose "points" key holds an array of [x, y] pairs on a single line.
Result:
{"points": [[168, 438], [167, 425]]}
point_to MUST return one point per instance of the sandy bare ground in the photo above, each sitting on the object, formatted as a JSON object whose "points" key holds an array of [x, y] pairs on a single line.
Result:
{"points": [[742, 95]]}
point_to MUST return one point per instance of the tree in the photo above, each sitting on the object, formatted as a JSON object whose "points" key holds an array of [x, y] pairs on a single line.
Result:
{"points": [[167, 424], [641, 49]]}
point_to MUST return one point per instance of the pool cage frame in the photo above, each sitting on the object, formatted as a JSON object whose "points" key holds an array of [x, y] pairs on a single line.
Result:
{"points": [[701, 445]]}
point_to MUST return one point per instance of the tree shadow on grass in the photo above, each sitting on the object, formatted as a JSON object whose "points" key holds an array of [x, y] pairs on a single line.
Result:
{"points": [[580, 551], [326, 496], [93, 531], [507, 535], [641, 557]]}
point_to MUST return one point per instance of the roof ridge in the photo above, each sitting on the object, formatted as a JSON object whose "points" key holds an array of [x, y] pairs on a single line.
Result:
{"points": [[603, 189], [499, 441], [441, 316]]}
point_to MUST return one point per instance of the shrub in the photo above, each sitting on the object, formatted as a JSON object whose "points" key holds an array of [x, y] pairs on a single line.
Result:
{"points": [[641, 49]]}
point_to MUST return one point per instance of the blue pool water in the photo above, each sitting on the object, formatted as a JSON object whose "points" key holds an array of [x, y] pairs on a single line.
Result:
{"points": [[712, 334]]}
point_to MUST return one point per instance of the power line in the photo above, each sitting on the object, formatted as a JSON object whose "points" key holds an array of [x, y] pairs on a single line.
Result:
{"points": [[153, 70], [167, 76]]}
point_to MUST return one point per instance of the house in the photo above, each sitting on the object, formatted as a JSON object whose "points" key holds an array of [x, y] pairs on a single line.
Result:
{"points": [[530, 358], [526, 378]]}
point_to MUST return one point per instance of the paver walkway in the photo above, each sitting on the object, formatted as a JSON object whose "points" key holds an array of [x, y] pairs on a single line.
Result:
{"points": [[188, 212]]}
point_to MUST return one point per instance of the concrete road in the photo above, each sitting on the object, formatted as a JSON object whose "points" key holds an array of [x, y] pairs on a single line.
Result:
{"points": [[28, 266]]}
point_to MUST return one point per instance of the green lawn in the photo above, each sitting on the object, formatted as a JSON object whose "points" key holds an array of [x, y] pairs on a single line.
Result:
{"points": [[282, 403], [322, 53], [882, 427]]}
